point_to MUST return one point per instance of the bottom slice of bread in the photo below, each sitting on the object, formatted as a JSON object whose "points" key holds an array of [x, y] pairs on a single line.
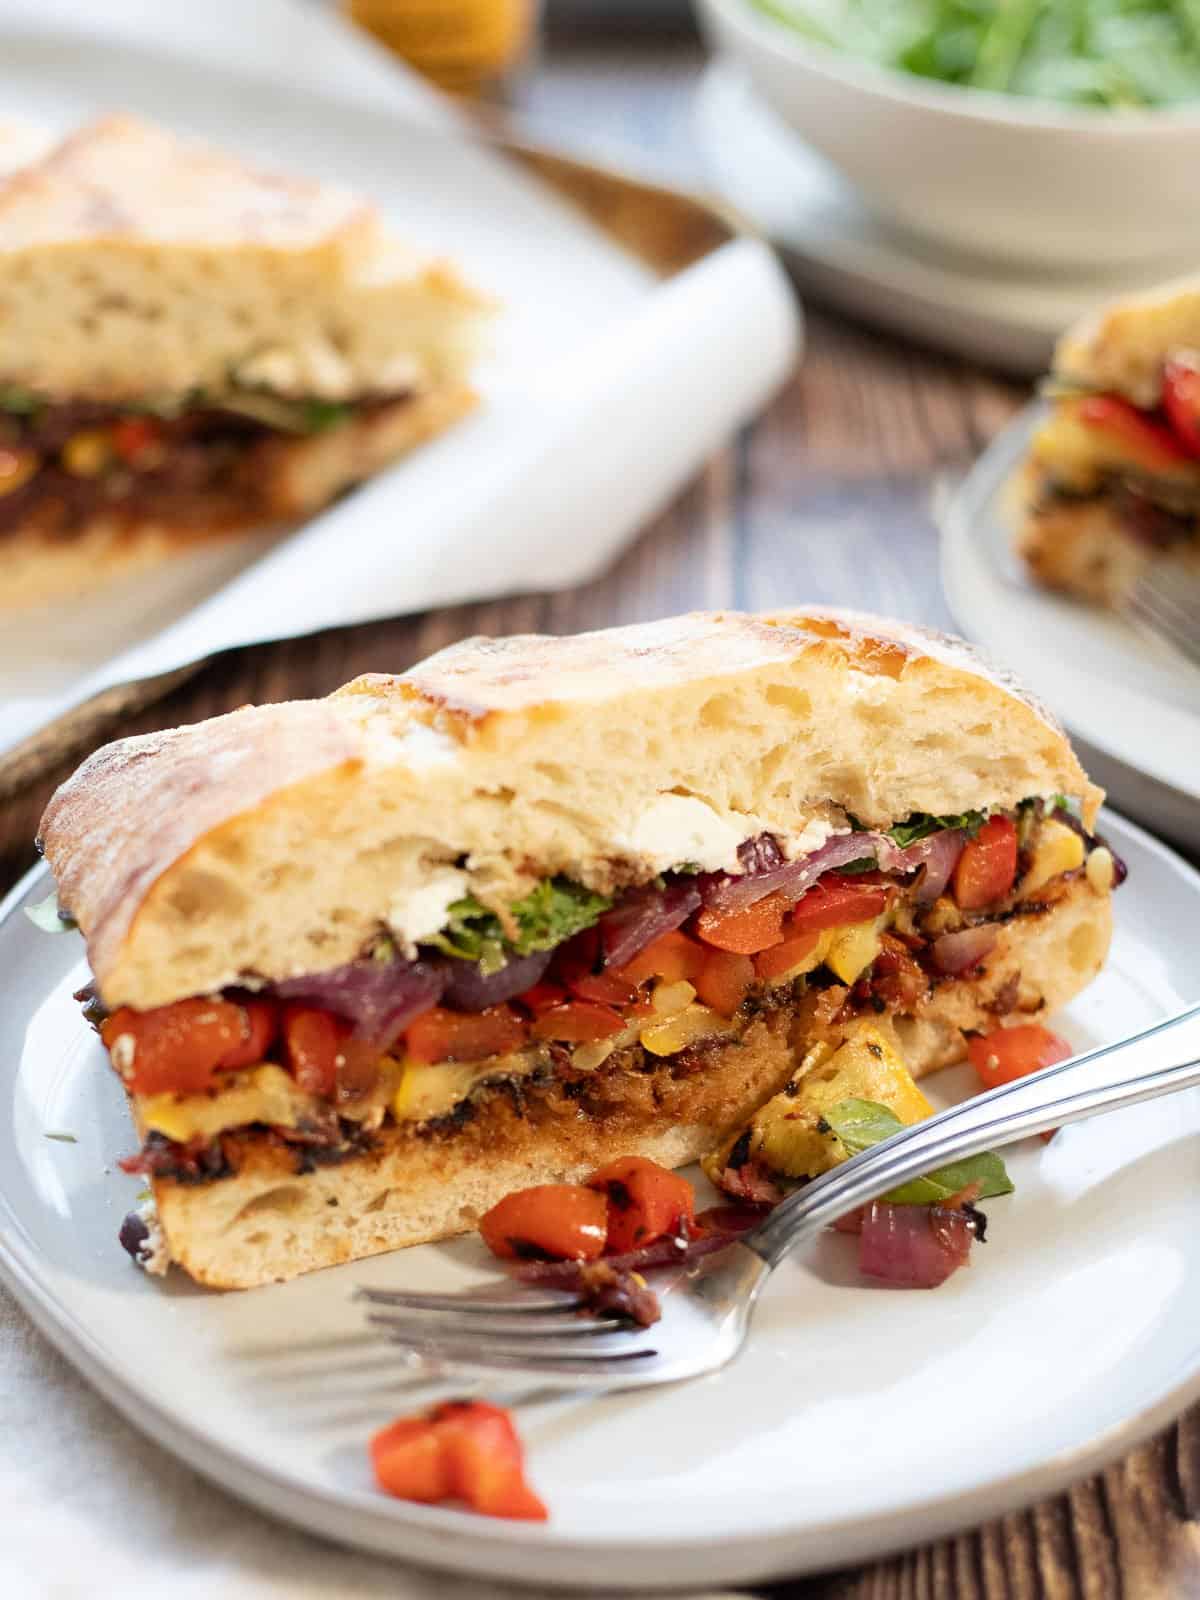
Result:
{"points": [[272, 1219]]}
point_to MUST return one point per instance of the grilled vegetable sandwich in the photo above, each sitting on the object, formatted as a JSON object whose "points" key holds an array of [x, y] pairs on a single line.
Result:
{"points": [[194, 347], [1112, 479], [367, 964]]}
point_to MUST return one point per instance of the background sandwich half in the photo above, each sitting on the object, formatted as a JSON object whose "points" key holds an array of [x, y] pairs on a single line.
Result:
{"points": [[1112, 478], [367, 964], [196, 347]]}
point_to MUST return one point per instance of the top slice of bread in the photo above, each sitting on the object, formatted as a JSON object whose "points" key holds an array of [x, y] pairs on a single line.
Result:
{"points": [[136, 265], [1123, 346], [278, 839]]}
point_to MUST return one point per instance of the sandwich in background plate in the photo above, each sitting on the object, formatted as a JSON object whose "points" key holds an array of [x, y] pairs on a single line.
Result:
{"points": [[193, 347], [368, 964], [1112, 478]]}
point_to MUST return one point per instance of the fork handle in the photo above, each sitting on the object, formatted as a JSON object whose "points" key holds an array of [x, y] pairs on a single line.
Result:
{"points": [[1158, 1061]]}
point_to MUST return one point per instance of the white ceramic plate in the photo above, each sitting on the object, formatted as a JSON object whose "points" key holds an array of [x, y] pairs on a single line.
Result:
{"points": [[858, 1420], [850, 258], [1129, 698]]}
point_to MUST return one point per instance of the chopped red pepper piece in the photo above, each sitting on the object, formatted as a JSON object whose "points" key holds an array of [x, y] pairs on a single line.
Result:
{"points": [[410, 1461], [1181, 400], [260, 1024], [135, 438], [578, 1022], [312, 1043], [541, 997], [578, 966], [1006, 1054], [673, 957], [781, 958], [645, 1202], [551, 1221], [442, 1035], [463, 1450], [987, 866], [174, 1049], [745, 932], [724, 980], [1151, 444], [836, 902]]}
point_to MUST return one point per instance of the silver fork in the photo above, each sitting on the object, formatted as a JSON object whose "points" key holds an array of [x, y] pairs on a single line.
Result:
{"points": [[544, 1336], [1166, 598]]}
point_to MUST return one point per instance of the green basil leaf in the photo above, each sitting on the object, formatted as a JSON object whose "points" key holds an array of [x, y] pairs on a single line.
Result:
{"points": [[550, 914], [860, 1124], [21, 402], [321, 415], [987, 1170], [920, 825], [554, 912]]}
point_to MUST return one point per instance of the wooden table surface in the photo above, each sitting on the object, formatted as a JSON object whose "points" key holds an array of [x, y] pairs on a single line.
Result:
{"points": [[825, 497]]}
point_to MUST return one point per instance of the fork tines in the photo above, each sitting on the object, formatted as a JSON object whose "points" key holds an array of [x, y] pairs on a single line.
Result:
{"points": [[538, 1335]]}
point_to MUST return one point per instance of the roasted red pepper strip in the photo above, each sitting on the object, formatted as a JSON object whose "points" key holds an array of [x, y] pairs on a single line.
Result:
{"points": [[174, 1049], [312, 1043], [461, 1450], [645, 1202], [987, 866], [551, 1221], [1006, 1054], [442, 1035]]}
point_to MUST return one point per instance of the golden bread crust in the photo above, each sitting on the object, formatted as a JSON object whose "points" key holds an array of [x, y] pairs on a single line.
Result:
{"points": [[529, 755]]}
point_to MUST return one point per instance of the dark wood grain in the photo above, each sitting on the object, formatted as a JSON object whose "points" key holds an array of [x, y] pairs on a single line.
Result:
{"points": [[825, 497]]}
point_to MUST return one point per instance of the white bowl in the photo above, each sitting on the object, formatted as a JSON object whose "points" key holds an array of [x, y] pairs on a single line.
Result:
{"points": [[996, 175]]}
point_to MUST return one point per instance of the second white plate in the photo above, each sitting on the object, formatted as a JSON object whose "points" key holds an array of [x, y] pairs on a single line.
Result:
{"points": [[842, 253], [857, 1420]]}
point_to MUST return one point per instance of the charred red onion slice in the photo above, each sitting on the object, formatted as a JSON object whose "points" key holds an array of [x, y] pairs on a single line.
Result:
{"points": [[724, 1224], [938, 855], [725, 891], [467, 989], [643, 916], [915, 1247], [958, 952], [380, 998]]}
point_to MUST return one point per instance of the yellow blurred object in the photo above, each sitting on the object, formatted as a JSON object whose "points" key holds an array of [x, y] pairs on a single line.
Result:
{"points": [[852, 951], [668, 998], [463, 45], [86, 454], [685, 1028], [1056, 849]]}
